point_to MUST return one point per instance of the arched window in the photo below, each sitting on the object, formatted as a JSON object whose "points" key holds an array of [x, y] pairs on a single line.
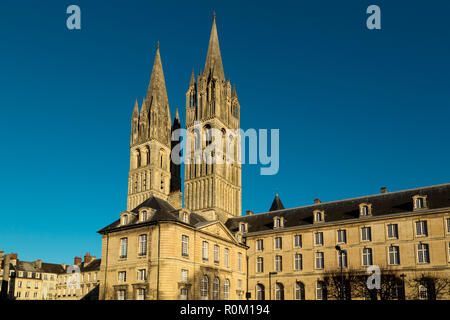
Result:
{"points": [[208, 134], [226, 289], [260, 292], [216, 288], [279, 291], [204, 287], [423, 292], [138, 158], [299, 291]]}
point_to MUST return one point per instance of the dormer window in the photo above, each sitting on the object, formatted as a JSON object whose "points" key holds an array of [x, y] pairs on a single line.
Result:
{"points": [[278, 222], [144, 216], [124, 219], [319, 216], [184, 216], [420, 202], [365, 209], [243, 227]]}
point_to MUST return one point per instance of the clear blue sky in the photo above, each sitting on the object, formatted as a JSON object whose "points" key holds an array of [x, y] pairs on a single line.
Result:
{"points": [[357, 109]]}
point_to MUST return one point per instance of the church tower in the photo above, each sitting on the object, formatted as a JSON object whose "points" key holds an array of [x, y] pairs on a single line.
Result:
{"points": [[150, 142], [213, 190]]}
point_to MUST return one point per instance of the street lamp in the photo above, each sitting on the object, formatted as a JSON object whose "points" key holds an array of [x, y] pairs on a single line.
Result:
{"points": [[341, 262], [270, 283]]}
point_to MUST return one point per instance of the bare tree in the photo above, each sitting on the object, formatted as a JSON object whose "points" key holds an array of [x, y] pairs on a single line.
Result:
{"points": [[429, 286]]}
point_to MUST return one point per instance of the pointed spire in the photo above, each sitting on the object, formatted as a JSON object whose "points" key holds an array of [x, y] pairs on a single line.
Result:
{"points": [[157, 86], [192, 82], [136, 109], [234, 94], [177, 115], [276, 204], [213, 62]]}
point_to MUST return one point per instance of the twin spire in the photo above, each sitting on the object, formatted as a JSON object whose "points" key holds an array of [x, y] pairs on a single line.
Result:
{"points": [[157, 86], [213, 64]]}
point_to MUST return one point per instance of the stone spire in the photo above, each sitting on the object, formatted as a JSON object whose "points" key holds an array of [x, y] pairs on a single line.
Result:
{"points": [[192, 82], [157, 86], [135, 123], [213, 64]]}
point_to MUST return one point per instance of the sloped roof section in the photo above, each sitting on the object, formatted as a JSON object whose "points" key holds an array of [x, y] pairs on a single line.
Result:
{"points": [[276, 204], [164, 211], [382, 204]]}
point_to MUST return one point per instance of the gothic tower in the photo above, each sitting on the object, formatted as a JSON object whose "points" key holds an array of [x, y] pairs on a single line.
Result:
{"points": [[150, 142], [213, 190]]}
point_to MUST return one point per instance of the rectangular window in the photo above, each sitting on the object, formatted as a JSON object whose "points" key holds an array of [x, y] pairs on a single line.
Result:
{"points": [[421, 228], [142, 274], [227, 257], [184, 275], [121, 295], [216, 254], [123, 247], [298, 262], [142, 244], [122, 276], [319, 260], [278, 243], [394, 255], [259, 265], [140, 294], [423, 253], [448, 225], [19, 284], [183, 294], [239, 284], [239, 261], [298, 241], [184, 245], [278, 263], [367, 257], [366, 234], [342, 259], [342, 236], [205, 251], [392, 231], [318, 238], [259, 245]]}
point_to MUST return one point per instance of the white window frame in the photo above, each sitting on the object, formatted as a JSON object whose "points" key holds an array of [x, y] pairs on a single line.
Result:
{"points": [[298, 241], [205, 246], [184, 246], [342, 236], [184, 275], [319, 257], [366, 233], [423, 253], [395, 252], [367, 257], [239, 261], [298, 261], [260, 245], [142, 245], [259, 264], [123, 248], [421, 228], [278, 243], [142, 274], [216, 254], [392, 231], [278, 263], [318, 238], [226, 256]]}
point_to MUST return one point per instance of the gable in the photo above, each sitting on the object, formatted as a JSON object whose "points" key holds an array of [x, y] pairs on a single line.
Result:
{"points": [[218, 229]]}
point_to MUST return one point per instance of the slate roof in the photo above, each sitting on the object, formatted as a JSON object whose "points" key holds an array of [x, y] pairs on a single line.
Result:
{"points": [[276, 204], [52, 268], [164, 211], [92, 266], [382, 204]]}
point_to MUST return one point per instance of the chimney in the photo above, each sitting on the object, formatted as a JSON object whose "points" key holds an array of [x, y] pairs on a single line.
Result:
{"points": [[250, 213], [77, 261], [384, 190], [88, 258], [38, 263], [316, 201]]}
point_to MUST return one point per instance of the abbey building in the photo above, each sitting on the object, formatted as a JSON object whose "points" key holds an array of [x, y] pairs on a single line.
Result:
{"points": [[198, 245]]}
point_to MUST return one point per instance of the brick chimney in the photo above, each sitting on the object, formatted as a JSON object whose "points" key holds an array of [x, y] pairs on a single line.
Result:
{"points": [[88, 258], [77, 261], [384, 190], [316, 201], [250, 213]]}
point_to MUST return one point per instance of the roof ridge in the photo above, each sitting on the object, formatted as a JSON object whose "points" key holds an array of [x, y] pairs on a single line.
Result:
{"points": [[349, 199]]}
